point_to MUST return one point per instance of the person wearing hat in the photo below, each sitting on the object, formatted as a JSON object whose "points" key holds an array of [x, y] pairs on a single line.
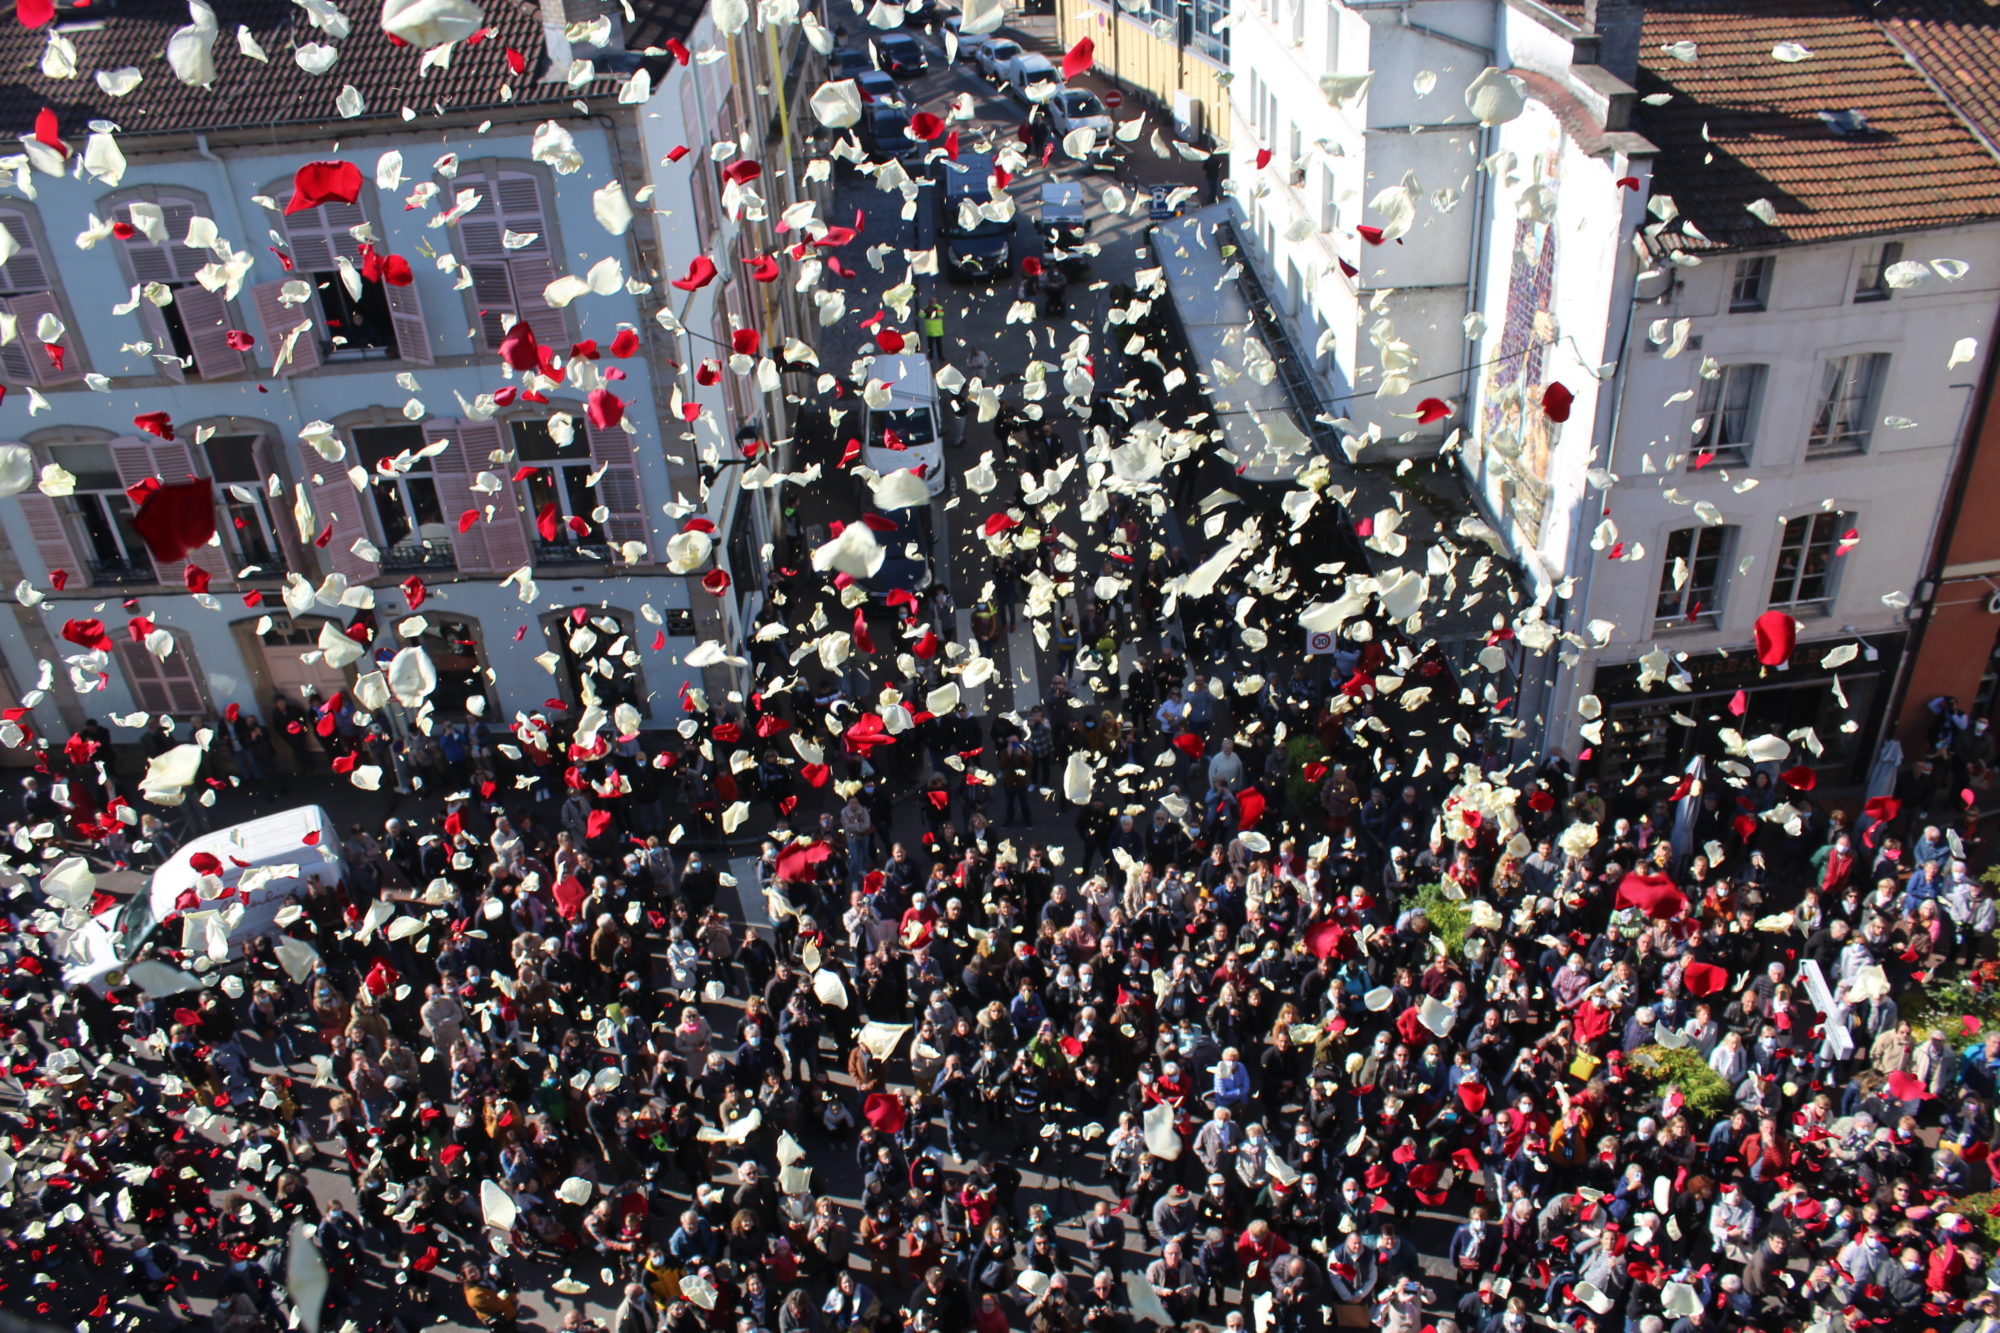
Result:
{"points": [[1176, 1215]]}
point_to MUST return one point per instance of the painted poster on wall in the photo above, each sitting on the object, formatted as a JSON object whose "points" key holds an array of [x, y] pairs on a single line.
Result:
{"points": [[1515, 434]]}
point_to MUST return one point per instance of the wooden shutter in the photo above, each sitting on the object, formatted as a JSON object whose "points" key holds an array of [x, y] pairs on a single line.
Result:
{"points": [[406, 314], [169, 261], [29, 310], [506, 530], [611, 453], [507, 285], [18, 354], [173, 460], [279, 320], [265, 455], [335, 501], [453, 472], [25, 272], [172, 687], [51, 537], [205, 316], [319, 236], [161, 334]]}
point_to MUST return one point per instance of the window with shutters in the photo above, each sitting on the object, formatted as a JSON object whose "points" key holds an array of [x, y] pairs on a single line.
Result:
{"points": [[249, 529], [506, 246], [559, 496], [23, 275], [359, 325], [169, 686], [101, 515], [409, 518], [190, 333]]}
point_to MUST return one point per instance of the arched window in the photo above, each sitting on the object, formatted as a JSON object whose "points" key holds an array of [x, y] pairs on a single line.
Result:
{"points": [[191, 328]]}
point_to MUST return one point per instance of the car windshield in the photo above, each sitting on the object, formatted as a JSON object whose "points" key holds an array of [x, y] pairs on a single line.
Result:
{"points": [[898, 41], [1003, 50], [1038, 75], [1082, 104], [912, 425]]}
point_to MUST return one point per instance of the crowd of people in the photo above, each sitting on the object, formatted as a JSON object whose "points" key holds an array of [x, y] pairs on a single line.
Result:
{"points": [[1220, 990], [1280, 1044]]}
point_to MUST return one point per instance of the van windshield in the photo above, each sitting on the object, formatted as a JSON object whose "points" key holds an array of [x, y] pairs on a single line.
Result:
{"points": [[135, 920], [913, 427]]}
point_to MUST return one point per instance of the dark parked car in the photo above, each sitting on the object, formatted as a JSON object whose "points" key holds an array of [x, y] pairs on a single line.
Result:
{"points": [[847, 64], [902, 54], [884, 130]]}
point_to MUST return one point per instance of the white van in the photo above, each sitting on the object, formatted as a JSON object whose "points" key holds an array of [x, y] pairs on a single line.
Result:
{"points": [[271, 859], [911, 415]]}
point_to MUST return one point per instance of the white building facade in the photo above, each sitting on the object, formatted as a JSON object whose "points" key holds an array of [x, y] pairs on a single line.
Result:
{"points": [[410, 385]]}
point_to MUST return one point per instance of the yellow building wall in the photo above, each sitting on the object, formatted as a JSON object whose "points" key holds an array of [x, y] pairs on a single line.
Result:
{"points": [[1129, 51]]}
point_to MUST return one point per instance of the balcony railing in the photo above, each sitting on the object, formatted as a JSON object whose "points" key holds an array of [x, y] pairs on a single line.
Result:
{"points": [[418, 555], [567, 553], [122, 572]]}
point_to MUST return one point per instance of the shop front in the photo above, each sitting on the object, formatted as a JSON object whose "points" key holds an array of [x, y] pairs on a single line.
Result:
{"points": [[1661, 729]]}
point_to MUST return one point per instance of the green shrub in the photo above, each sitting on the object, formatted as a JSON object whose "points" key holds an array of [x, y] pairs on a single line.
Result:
{"points": [[1946, 1003], [1707, 1094], [1302, 749], [1979, 1210], [1450, 918]]}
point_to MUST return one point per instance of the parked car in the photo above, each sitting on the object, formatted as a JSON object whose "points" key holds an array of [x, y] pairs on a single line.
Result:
{"points": [[925, 12], [847, 64], [1077, 109], [877, 86], [907, 431], [884, 130], [984, 249], [995, 53], [1030, 77], [969, 43], [902, 54], [906, 564]]}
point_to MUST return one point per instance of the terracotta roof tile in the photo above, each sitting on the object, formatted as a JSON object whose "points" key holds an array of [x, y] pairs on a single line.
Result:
{"points": [[278, 94], [1743, 126]]}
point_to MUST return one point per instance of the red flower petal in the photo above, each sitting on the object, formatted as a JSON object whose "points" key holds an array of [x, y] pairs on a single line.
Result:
{"points": [[317, 182], [700, 273], [1078, 58], [1556, 401], [1432, 409]]}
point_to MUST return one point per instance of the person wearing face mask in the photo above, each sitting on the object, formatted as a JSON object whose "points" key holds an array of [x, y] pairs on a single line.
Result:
{"points": [[1481, 1309]]}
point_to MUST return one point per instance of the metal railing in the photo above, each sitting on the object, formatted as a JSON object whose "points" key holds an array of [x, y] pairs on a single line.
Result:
{"points": [[418, 555], [122, 572], [565, 553]]}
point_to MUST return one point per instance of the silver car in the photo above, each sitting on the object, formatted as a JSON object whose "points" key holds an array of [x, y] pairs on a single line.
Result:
{"points": [[996, 54], [1077, 109]]}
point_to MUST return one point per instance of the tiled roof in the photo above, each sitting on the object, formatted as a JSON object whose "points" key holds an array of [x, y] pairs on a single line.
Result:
{"points": [[1957, 43], [1742, 125], [249, 94]]}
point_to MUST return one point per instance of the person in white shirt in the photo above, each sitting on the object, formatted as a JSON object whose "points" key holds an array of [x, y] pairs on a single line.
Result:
{"points": [[1225, 767]]}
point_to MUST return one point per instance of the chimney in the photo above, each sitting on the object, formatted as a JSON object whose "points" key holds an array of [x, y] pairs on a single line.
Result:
{"points": [[1616, 24]]}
